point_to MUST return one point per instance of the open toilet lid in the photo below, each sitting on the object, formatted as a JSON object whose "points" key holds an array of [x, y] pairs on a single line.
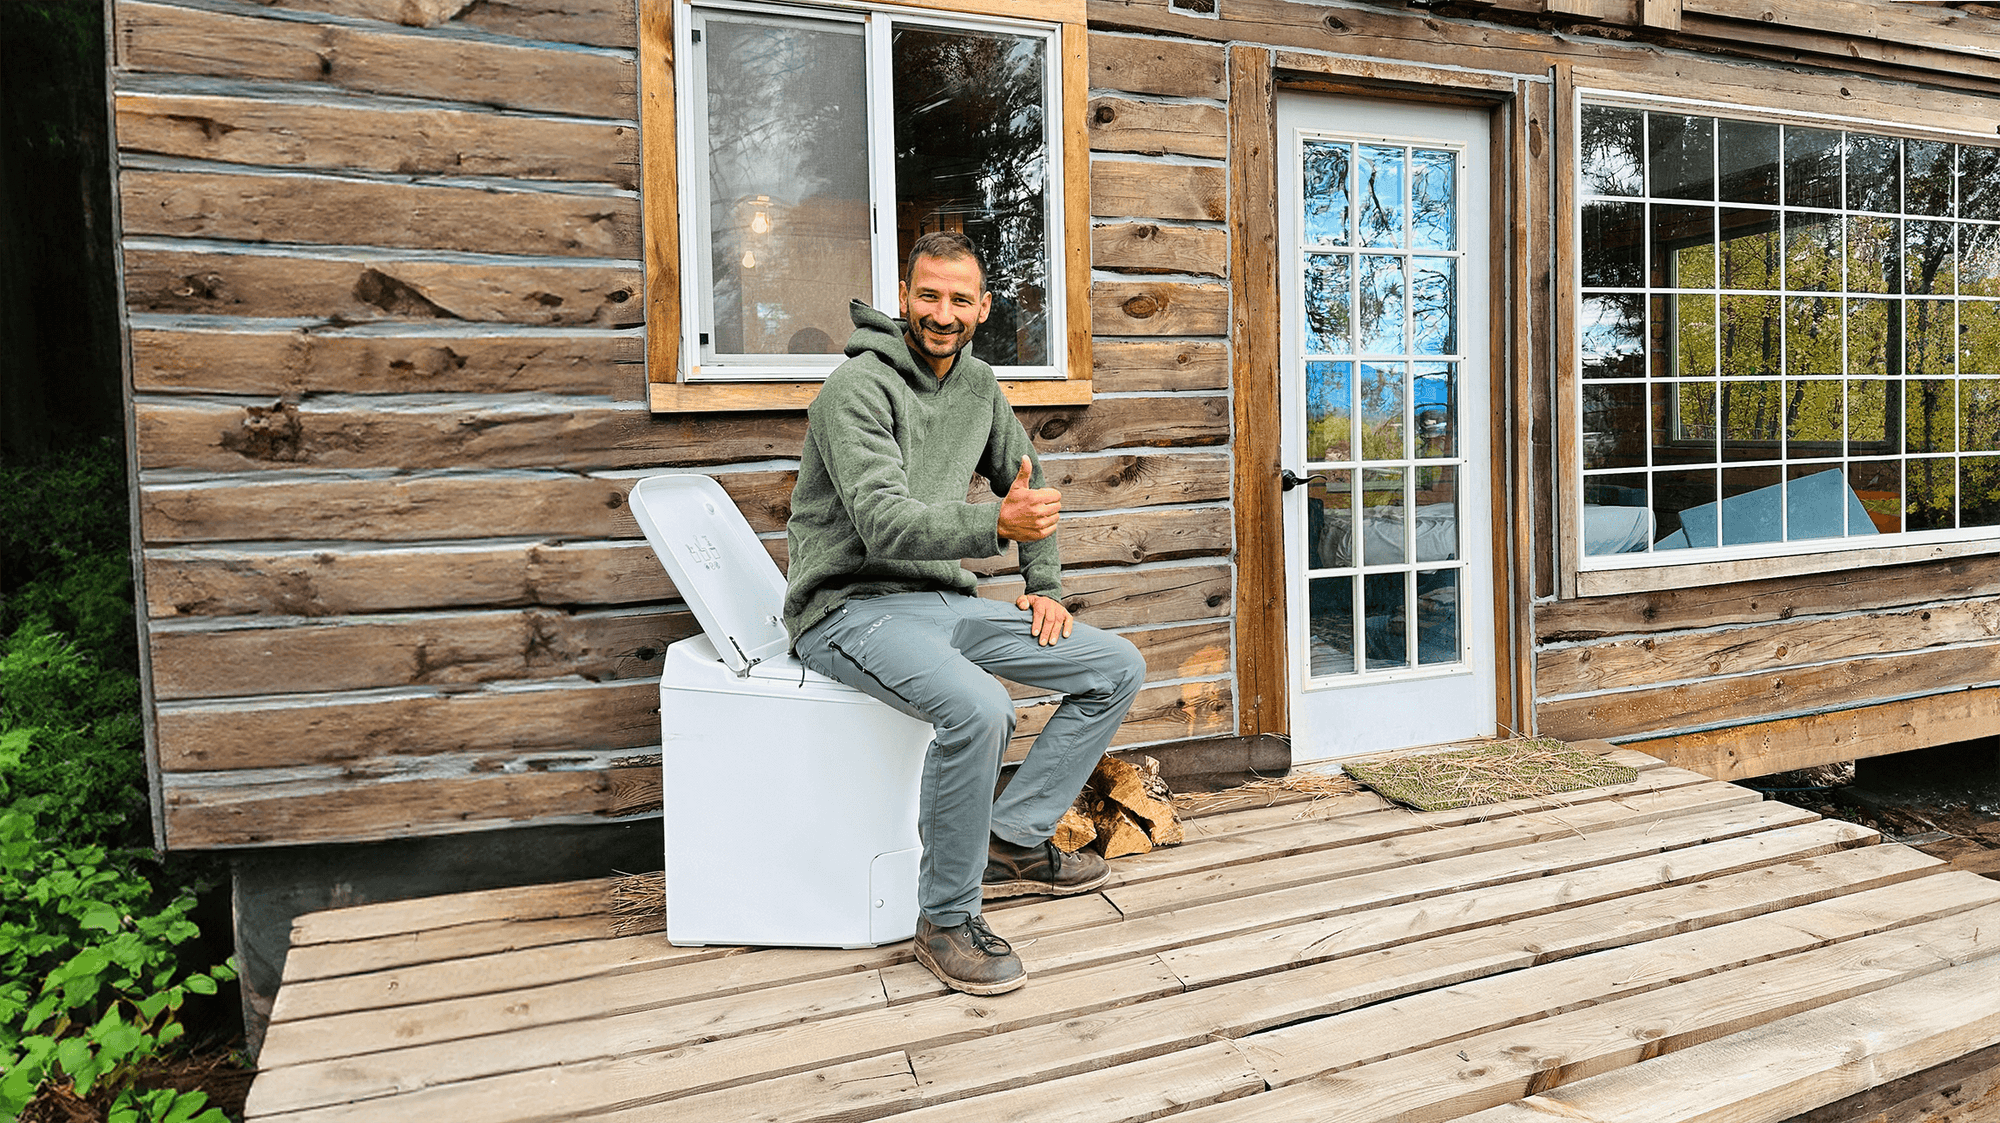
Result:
{"points": [[717, 563]]}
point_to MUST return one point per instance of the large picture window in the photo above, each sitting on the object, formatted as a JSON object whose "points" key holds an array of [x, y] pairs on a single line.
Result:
{"points": [[816, 143], [1789, 337]]}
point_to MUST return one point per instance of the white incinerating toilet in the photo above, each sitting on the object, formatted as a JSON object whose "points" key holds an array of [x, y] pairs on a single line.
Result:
{"points": [[790, 798]]}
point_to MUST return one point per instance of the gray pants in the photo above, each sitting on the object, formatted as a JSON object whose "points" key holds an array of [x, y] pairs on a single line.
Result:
{"points": [[933, 656]]}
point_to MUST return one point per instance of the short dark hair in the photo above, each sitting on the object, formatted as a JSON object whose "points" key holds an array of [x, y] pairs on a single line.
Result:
{"points": [[947, 245]]}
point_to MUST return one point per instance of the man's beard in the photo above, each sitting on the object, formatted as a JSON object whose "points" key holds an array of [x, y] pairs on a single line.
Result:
{"points": [[959, 340]]}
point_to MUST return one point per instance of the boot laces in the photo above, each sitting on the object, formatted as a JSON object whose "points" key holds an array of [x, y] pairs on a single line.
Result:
{"points": [[985, 939]]}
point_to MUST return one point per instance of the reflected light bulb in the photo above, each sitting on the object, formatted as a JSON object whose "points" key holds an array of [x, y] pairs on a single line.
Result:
{"points": [[760, 223], [749, 260]]}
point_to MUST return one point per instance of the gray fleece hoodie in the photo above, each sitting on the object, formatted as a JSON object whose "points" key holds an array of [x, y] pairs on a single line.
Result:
{"points": [[880, 503]]}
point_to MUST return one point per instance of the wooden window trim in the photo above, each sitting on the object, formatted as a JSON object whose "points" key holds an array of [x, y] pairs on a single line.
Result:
{"points": [[1721, 95], [659, 159]]}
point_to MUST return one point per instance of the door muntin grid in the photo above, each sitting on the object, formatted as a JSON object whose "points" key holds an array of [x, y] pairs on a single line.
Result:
{"points": [[1381, 259]]}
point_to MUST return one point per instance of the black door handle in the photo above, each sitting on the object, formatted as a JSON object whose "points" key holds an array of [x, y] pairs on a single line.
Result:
{"points": [[1287, 480]]}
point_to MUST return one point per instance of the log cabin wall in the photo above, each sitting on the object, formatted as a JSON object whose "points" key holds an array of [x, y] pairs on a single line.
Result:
{"points": [[383, 272], [383, 267]]}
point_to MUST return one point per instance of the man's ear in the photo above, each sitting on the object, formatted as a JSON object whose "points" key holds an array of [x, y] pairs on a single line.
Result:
{"points": [[903, 298], [985, 306]]}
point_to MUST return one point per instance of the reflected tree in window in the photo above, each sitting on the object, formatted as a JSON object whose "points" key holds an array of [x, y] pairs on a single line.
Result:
{"points": [[972, 156]]}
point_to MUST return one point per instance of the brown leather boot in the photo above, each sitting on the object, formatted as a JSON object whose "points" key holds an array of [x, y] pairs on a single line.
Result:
{"points": [[1012, 871], [969, 957]]}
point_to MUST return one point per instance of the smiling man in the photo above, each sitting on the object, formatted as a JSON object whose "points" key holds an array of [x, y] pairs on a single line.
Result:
{"points": [[878, 600]]}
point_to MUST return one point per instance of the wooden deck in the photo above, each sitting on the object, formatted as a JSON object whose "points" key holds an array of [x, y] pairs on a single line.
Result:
{"points": [[1668, 950]]}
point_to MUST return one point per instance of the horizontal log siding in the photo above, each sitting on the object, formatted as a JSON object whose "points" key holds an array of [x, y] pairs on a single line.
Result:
{"points": [[382, 261], [1773, 660]]}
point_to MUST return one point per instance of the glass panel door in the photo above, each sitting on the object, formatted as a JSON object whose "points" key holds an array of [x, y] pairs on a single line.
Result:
{"points": [[1386, 421]]}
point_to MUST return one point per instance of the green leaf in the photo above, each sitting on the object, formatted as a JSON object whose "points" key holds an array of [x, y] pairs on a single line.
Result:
{"points": [[200, 984], [100, 917], [73, 1054], [119, 1041], [185, 1107]]}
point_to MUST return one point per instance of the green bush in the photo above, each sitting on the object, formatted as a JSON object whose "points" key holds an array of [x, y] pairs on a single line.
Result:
{"points": [[64, 551], [91, 979], [84, 922], [78, 757]]}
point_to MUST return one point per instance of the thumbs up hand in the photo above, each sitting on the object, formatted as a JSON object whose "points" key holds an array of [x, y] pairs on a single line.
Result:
{"points": [[1029, 514]]}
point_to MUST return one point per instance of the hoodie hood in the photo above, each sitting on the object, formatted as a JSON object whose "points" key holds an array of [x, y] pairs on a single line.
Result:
{"points": [[881, 336]]}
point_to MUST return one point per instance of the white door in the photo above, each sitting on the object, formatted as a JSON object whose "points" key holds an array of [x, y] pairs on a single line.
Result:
{"points": [[1386, 420]]}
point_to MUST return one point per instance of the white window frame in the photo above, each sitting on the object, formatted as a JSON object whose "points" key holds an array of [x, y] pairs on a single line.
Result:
{"points": [[1628, 573]]}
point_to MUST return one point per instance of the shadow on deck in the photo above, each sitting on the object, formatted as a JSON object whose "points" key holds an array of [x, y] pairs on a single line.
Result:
{"points": [[1663, 951]]}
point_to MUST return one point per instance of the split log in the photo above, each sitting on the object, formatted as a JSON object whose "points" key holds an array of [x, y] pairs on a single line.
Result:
{"points": [[338, 285], [1146, 190], [1148, 247], [311, 208], [243, 359], [1168, 67], [1154, 128], [595, 23], [1158, 308], [1130, 365], [384, 60], [331, 133]]}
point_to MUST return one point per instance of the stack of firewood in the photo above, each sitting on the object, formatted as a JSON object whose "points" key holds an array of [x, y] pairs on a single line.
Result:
{"points": [[1124, 809]]}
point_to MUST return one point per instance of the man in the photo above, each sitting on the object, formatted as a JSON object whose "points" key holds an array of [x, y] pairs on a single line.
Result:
{"points": [[877, 599]]}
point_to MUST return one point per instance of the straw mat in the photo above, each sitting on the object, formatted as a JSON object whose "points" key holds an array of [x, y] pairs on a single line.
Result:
{"points": [[1517, 769]]}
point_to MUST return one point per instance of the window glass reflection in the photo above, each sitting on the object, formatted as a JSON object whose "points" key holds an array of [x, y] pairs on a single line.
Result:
{"points": [[1437, 616], [1609, 328], [972, 155], [1683, 250], [1380, 179], [1381, 305], [1434, 402], [1815, 418], [1874, 173], [1329, 411], [1328, 304], [1930, 264], [788, 199], [1382, 403], [1614, 425], [1813, 336], [1812, 168], [1749, 154], [1433, 200], [1874, 254], [1928, 176], [1433, 305], [1327, 207], [1613, 245], [1613, 154], [1930, 493], [1681, 156]]}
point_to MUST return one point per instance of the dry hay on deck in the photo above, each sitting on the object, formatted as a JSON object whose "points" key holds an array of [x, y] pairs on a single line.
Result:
{"points": [[1268, 790], [1518, 769], [638, 903]]}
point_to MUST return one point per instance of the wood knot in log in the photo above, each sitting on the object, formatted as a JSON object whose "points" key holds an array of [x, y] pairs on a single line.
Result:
{"points": [[273, 433], [1144, 306]]}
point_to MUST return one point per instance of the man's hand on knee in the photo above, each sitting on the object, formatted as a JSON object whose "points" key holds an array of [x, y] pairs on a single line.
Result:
{"points": [[1051, 620], [1029, 514]]}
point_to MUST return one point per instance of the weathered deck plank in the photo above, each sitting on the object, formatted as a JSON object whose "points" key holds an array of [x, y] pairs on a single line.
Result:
{"points": [[1332, 959]]}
